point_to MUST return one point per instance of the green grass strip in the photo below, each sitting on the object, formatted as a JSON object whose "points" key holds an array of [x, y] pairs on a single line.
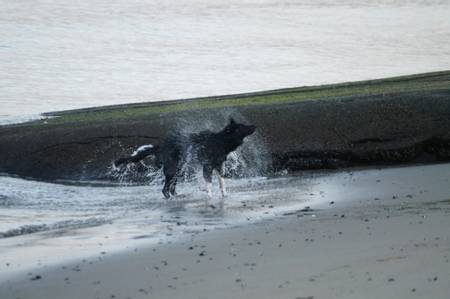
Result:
{"points": [[414, 83]]}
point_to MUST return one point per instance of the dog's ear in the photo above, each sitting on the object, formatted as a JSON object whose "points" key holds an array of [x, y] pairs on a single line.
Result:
{"points": [[232, 122]]}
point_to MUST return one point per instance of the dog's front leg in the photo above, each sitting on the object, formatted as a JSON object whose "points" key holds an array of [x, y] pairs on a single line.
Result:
{"points": [[222, 190], [209, 193], [207, 175]]}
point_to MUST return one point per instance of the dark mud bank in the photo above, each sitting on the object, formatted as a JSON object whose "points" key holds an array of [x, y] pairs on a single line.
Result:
{"points": [[391, 121]]}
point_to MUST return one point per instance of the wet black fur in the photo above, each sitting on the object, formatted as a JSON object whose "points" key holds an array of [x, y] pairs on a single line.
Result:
{"points": [[209, 149]]}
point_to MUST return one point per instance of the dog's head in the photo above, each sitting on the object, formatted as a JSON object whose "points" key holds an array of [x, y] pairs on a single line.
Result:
{"points": [[239, 131]]}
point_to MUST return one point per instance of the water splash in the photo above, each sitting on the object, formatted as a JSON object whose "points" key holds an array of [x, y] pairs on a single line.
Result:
{"points": [[252, 159], [144, 171]]}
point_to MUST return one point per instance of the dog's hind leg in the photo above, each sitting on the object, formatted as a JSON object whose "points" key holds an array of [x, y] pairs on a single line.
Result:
{"points": [[170, 181], [166, 188], [173, 183]]}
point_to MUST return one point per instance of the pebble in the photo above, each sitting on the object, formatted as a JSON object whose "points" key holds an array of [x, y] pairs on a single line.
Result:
{"points": [[37, 277]]}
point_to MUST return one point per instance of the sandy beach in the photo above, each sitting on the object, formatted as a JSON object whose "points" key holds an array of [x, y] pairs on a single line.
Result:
{"points": [[379, 233]]}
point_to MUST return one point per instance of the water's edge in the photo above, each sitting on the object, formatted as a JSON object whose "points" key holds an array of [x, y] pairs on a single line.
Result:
{"points": [[393, 121]]}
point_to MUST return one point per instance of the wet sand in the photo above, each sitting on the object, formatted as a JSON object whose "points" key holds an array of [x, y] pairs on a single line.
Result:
{"points": [[382, 234]]}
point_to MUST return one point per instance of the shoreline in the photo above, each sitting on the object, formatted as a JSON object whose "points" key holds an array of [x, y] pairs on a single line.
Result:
{"points": [[359, 246], [244, 95], [388, 121]]}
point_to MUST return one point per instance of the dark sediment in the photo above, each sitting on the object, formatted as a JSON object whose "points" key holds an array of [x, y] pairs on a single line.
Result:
{"points": [[389, 126]]}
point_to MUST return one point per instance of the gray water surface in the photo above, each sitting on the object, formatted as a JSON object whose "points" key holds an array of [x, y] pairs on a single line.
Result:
{"points": [[57, 55]]}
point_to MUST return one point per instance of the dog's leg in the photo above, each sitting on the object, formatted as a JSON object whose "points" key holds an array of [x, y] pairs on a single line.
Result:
{"points": [[172, 186], [222, 186], [222, 189], [166, 188], [209, 192], [169, 186], [207, 175]]}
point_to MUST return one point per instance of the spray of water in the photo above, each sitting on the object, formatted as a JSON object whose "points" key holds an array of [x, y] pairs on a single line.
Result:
{"points": [[145, 171], [252, 159]]}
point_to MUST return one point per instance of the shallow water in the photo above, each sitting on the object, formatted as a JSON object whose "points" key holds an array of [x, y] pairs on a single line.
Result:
{"points": [[40, 222], [58, 55]]}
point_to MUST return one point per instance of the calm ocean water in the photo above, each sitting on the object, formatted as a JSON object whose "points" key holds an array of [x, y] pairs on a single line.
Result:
{"points": [[57, 55]]}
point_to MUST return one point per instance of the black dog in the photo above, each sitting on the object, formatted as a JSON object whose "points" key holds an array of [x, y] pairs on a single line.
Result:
{"points": [[209, 149]]}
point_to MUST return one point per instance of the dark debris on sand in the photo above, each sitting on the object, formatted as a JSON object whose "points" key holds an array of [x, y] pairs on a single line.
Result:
{"points": [[36, 277]]}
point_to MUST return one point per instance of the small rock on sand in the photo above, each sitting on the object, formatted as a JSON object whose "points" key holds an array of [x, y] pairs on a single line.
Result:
{"points": [[37, 277]]}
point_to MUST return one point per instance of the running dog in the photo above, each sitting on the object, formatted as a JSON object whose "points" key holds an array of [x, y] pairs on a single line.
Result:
{"points": [[209, 149]]}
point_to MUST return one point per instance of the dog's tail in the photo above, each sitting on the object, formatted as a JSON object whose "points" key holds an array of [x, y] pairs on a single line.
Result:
{"points": [[139, 154]]}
